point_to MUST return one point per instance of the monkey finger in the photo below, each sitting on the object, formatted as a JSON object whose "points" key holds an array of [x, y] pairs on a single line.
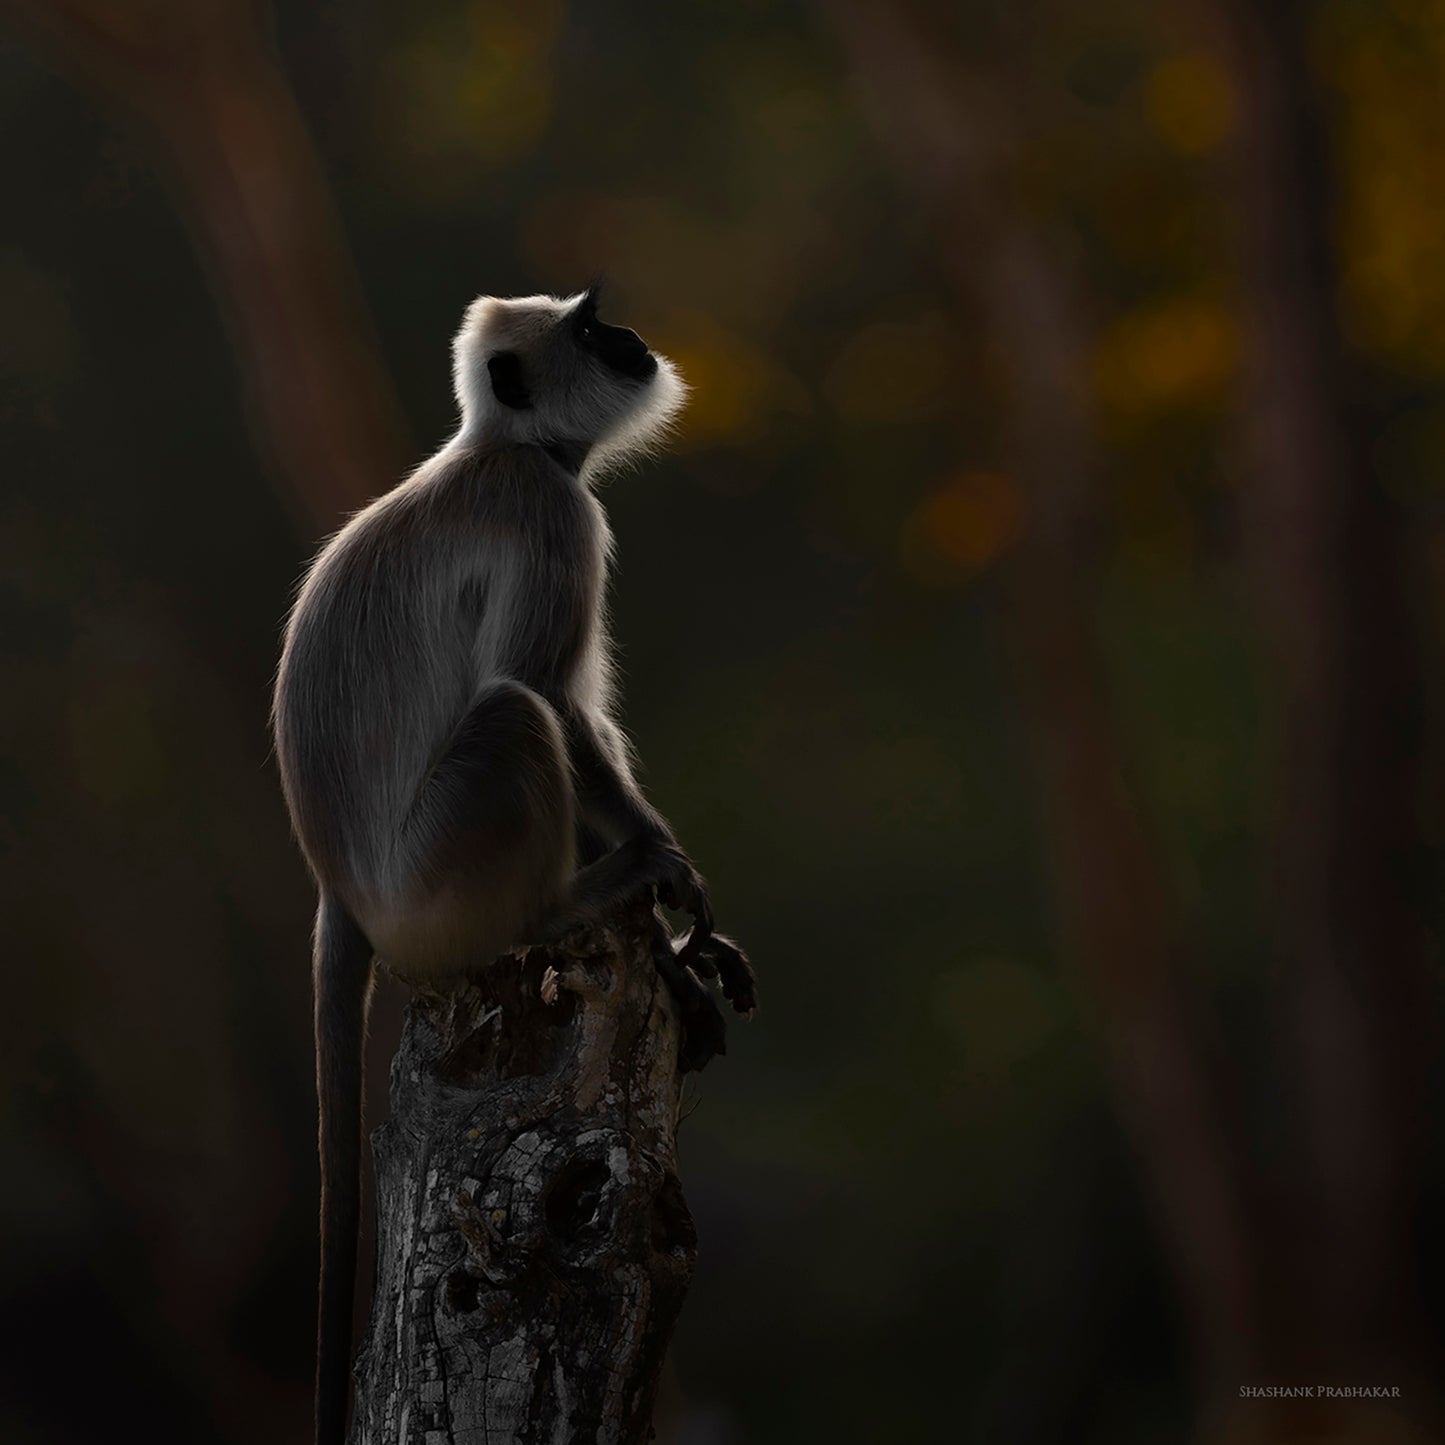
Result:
{"points": [[699, 903], [703, 964], [696, 941], [735, 972]]}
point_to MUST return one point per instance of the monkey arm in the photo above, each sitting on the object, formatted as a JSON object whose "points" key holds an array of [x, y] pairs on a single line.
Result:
{"points": [[613, 804], [607, 793]]}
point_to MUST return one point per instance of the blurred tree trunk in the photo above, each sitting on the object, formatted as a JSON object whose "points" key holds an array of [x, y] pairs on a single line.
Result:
{"points": [[1345, 873], [534, 1245], [205, 84], [948, 133], [204, 89]]}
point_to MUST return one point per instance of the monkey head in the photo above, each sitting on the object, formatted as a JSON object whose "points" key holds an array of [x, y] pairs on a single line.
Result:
{"points": [[547, 370]]}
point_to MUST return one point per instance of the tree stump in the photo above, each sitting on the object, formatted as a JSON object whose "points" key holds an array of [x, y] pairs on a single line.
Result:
{"points": [[533, 1243]]}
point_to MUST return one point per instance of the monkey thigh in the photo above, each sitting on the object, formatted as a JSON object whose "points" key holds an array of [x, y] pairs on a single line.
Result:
{"points": [[489, 842]]}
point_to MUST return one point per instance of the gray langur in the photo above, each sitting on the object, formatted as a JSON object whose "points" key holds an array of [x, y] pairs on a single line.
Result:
{"points": [[444, 717]]}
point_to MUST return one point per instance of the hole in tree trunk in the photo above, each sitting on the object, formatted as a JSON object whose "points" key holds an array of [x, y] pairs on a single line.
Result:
{"points": [[574, 1201], [463, 1291]]}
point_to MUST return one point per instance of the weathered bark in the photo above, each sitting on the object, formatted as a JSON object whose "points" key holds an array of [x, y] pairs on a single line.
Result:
{"points": [[533, 1242]]}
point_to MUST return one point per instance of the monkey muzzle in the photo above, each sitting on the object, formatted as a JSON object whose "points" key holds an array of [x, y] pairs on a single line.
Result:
{"points": [[621, 348]]}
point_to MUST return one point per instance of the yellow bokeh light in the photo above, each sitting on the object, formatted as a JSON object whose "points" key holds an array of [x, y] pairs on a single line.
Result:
{"points": [[736, 389], [1188, 103], [1393, 218], [1182, 351], [476, 90]]}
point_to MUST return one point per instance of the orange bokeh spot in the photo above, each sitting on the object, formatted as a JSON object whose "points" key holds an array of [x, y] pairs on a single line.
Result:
{"points": [[962, 527]]}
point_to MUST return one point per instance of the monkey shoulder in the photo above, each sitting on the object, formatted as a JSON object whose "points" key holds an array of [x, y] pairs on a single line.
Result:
{"points": [[463, 551]]}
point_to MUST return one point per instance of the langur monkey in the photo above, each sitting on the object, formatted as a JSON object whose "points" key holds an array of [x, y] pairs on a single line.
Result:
{"points": [[444, 717]]}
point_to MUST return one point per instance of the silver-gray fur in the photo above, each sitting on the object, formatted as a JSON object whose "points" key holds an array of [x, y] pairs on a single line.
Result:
{"points": [[444, 712]]}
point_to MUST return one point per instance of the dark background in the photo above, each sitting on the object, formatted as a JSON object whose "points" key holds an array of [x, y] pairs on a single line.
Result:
{"points": [[1033, 635]]}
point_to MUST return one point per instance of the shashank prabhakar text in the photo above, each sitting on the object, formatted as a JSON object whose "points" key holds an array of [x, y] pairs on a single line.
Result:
{"points": [[1319, 1392]]}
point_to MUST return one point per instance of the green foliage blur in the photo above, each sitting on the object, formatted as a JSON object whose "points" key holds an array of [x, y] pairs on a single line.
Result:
{"points": [[919, 1213]]}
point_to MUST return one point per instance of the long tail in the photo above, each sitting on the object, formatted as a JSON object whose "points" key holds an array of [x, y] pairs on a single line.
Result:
{"points": [[342, 979]]}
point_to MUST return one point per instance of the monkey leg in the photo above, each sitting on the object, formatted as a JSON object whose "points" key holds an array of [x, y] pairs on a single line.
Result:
{"points": [[488, 844]]}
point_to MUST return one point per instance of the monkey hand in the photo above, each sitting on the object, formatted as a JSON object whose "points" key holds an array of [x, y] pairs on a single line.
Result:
{"points": [[679, 885]]}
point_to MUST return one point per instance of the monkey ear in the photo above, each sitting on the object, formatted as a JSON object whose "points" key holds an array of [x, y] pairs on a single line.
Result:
{"points": [[507, 386]]}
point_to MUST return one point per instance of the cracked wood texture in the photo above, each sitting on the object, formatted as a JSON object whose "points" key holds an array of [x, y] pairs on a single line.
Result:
{"points": [[533, 1243]]}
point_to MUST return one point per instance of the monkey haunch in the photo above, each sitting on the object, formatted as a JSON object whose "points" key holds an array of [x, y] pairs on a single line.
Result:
{"points": [[444, 718]]}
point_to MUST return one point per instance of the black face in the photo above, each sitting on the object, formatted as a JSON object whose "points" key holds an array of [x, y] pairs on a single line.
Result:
{"points": [[617, 347]]}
